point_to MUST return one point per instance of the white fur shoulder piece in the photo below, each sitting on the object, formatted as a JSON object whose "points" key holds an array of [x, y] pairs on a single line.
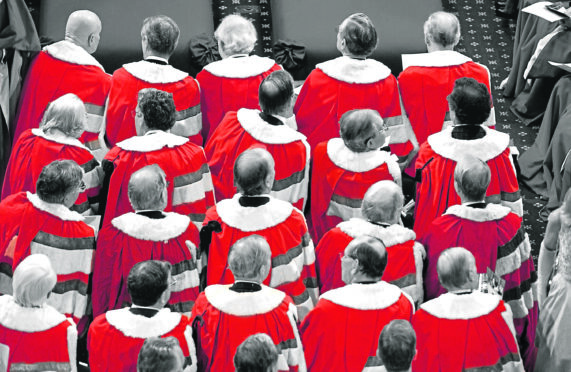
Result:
{"points": [[355, 71], [252, 123], [245, 303], [154, 73], [241, 68], [392, 235], [28, 319], [441, 58], [492, 212], [69, 52], [152, 142], [57, 210], [253, 218], [344, 158], [63, 140], [156, 230], [365, 296], [139, 326], [465, 306], [485, 148]]}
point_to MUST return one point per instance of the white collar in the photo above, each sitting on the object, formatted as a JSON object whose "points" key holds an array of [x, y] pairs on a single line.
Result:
{"points": [[38, 132], [69, 52], [144, 228], [250, 219], [57, 210], [492, 212], [252, 123], [139, 326], [465, 306], [391, 235], [375, 296], [485, 148], [440, 58], [152, 141], [244, 303], [28, 319], [244, 67], [355, 71], [154, 73], [157, 58]]}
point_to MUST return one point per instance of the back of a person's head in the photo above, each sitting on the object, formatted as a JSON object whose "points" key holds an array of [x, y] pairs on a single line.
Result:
{"points": [[236, 35], [83, 28], [256, 354], [359, 34], [34, 278], [160, 355], [357, 126], [147, 281], [146, 188], [161, 33], [57, 179], [250, 258], [397, 345], [251, 171], [472, 176], [371, 254], [455, 268], [158, 109], [382, 202], [66, 114], [442, 28], [470, 101], [275, 91]]}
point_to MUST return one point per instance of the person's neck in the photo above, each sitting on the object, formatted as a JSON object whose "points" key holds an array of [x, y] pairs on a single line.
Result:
{"points": [[250, 280], [156, 306], [362, 278], [153, 54], [352, 56], [77, 41], [438, 48], [56, 133]]}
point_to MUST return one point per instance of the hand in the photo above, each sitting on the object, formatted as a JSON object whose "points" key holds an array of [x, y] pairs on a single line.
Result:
{"points": [[192, 248]]}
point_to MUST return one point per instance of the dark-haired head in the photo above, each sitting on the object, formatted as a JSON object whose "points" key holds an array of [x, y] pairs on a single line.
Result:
{"points": [[357, 36], [58, 181], [276, 92], [147, 281], [470, 101], [160, 34], [254, 172], [397, 345], [157, 109]]}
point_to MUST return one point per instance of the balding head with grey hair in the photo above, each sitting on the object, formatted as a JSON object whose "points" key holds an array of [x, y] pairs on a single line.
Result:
{"points": [[254, 172], [457, 270], [471, 179], [441, 31], [159, 36], [250, 259], [235, 35], [147, 189], [83, 28], [383, 202]]}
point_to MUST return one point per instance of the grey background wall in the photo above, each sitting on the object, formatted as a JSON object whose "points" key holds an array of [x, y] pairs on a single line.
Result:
{"points": [[310, 22]]}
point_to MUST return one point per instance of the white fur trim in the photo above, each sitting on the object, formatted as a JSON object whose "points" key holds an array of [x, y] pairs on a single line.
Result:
{"points": [[139, 326], [492, 212], [154, 73], [242, 67], [28, 319], [38, 132], [355, 71], [465, 306], [245, 303], [485, 148], [441, 58], [366, 296], [72, 345], [252, 123], [69, 52], [344, 158], [144, 228], [392, 235], [253, 218], [58, 210], [152, 142]]}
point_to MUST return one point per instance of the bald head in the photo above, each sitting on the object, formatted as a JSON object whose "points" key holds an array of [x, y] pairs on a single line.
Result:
{"points": [[83, 28], [254, 172], [456, 269], [441, 31], [471, 179], [383, 202], [147, 189]]}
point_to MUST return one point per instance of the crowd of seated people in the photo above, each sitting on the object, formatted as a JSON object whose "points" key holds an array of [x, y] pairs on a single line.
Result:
{"points": [[226, 223]]}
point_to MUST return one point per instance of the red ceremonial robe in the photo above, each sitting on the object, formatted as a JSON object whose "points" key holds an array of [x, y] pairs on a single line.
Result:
{"points": [[227, 318], [344, 84], [30, 225], [189, 181], [116, 337], [405, 256], [133, 238], [342, 332], [466, 332], [34, 150], [340, 178], [35, 339], [284, 227], [123, 96], [436, 191], [497, 239], [59, 69], [229, 85], [245, 129]]}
